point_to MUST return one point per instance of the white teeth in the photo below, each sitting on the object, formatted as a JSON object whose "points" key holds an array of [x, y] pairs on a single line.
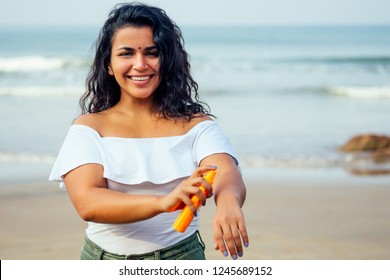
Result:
{"points": [[140, 78]]}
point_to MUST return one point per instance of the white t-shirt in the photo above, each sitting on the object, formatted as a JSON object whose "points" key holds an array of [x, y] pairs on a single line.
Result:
{"points": [[140, 166]]}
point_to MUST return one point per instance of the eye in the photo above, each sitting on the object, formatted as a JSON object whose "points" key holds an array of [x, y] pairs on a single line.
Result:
{"points": [[153, 53], [126, 53]]}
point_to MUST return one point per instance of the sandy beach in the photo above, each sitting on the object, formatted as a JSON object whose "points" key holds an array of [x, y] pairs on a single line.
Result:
{"points": [[290, 216]]}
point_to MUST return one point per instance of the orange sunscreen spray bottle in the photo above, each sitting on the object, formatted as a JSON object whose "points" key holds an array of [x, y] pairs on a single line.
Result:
{"points": [[186, 215]]}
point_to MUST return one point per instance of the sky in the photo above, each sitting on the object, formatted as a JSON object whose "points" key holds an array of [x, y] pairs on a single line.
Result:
{"points": [[201, 12]]}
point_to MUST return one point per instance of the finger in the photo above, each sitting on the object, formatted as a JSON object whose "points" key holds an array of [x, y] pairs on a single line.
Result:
{"points": [[178, 206], [195, 190], [244, 233], [201, 170], [207, 187], [192, 196], [219, 243], [229, 240], [187, 201], [198, 175], [237, 241]]}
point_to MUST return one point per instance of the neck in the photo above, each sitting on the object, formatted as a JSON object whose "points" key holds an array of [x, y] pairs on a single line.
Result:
{"points": [[136, 106]]}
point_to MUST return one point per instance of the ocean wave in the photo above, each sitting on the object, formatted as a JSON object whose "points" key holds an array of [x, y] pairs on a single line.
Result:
{"points": [[355, 165], [343, 60], [38, 63], [7, 157], [291, 162], [360, 92], [41, 91], [346, 162], [261, 66]]}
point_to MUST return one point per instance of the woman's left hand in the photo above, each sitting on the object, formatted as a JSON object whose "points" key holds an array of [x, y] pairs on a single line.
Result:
{"points": [[230, 234]]}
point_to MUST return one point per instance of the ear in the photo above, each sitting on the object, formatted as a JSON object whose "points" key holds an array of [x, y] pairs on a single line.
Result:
{"points": [[110, 70]]}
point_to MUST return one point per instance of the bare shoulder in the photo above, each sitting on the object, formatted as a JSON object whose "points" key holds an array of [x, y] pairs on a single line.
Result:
{"points": [[174, 127], [92, 120], [86, 119], [198, 119]]}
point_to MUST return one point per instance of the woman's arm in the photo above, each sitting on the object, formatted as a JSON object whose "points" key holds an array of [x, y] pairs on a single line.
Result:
{"points": [[95, 202], [229, 191]]}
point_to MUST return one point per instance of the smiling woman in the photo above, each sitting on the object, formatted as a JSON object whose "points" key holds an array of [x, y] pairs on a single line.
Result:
{"points": [[136, 69], [177, 92], [142, 145]]}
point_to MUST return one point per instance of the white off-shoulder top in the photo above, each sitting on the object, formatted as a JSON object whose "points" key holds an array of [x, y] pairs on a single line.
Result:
{"points": [[140, 166]]}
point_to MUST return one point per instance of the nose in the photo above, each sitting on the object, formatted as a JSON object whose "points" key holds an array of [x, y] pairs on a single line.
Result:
{"points": [[140, 63]]}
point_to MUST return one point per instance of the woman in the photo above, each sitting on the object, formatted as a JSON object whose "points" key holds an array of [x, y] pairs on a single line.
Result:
{"points": [[141, 146]]}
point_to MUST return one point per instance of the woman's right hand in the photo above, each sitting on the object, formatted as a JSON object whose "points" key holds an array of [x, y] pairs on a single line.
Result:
{"points": [[181, 195]]}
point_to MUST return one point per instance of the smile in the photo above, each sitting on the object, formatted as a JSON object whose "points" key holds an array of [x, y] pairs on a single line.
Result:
{"points": [[140, 78]]}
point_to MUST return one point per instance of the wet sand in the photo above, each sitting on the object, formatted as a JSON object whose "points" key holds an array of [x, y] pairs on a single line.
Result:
{"points": [[290, 216]]}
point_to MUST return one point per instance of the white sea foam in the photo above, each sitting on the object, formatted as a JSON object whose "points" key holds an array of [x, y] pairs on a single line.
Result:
{"points": [[362, 92], [41, 91], [35, 63], [7, 157], [291, 162]]}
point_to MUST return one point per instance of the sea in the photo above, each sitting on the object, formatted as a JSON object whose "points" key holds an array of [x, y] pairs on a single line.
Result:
{"points": [[288, 97]]}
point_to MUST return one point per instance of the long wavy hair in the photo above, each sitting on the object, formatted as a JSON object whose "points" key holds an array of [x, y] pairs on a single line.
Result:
{"points": [[177, 94]]}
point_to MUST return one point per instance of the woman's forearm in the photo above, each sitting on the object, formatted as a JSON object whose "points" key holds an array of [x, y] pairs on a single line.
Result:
{"points": [[103, 205], [229, 188]]}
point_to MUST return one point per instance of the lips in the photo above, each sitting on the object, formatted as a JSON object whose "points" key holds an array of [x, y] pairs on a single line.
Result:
{"points": [[141, 78]]}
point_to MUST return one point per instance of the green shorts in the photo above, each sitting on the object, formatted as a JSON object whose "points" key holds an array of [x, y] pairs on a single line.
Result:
{"points": [[191, 248]]}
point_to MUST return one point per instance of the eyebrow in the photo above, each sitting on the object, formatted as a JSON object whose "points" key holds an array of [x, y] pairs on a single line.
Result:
{"points": [[132, 49]]}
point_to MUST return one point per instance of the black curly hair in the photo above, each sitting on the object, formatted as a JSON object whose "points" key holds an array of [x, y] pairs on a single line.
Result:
{"points": [[177, 94]]}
